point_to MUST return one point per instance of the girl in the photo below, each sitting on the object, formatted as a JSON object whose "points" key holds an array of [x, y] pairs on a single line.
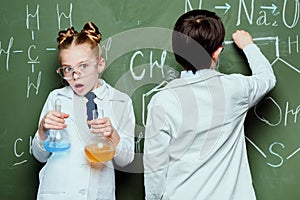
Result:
{"points": [[68, 175]]}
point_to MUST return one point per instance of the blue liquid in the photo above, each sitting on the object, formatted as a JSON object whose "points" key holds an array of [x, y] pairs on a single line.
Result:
{"points": [[56, 146]]}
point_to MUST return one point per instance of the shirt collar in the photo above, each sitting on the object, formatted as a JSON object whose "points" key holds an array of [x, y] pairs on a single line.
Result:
{"points": [[189, 73], [107, 91], [188, 78], [102, 91]]}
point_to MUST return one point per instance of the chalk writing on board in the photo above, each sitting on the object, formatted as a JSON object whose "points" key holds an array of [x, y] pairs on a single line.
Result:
{"points": [[225, 7], [20, 152], [248, 11], [106, 46], [7, 52], [32, 60], [282, 116], [295, 42], [152, 64]]}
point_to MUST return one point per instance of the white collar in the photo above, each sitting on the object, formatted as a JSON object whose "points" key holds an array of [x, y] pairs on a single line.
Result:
{"points": [[189, 73]]}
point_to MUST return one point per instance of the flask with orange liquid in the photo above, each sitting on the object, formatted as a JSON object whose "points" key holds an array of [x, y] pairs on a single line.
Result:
{"points": [[99, 149]]}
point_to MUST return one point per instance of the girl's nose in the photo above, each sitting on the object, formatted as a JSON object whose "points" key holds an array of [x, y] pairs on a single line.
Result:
{"points": [[76, 75]]}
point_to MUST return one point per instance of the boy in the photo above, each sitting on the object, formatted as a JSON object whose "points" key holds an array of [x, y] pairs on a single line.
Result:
{"points": [[194, 143]]}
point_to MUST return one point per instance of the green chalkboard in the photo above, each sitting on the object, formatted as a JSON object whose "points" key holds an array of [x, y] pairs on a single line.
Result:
{"points": [[136, 45]]}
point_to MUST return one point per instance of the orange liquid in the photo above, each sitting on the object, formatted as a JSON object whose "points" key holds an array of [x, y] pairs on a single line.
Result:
{"points": [[96, 154]]}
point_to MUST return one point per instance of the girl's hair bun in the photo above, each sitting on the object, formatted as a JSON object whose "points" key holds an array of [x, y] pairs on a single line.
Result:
{"points": [[65, 34], [92, 31]]}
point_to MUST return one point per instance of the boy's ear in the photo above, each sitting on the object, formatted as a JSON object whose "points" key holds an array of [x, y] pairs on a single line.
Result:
{"points": [[216, 54]]}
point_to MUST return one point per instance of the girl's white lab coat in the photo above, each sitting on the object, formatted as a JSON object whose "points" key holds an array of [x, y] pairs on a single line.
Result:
{"points": [[68, 175]]}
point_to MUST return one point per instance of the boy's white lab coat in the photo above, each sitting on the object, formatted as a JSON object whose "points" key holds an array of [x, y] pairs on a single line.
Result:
{"points": [[194, 142]]}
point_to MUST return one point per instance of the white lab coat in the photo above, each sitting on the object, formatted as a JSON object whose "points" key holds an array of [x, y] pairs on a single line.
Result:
{"points": [[194, 143], [68, 175]]}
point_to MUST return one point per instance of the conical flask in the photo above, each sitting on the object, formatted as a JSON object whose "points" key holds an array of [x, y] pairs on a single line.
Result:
{"points": [[57, 140], [99, 149]]}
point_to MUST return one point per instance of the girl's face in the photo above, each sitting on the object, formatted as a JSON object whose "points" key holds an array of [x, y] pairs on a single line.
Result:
{"points": [[82, 66]]}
